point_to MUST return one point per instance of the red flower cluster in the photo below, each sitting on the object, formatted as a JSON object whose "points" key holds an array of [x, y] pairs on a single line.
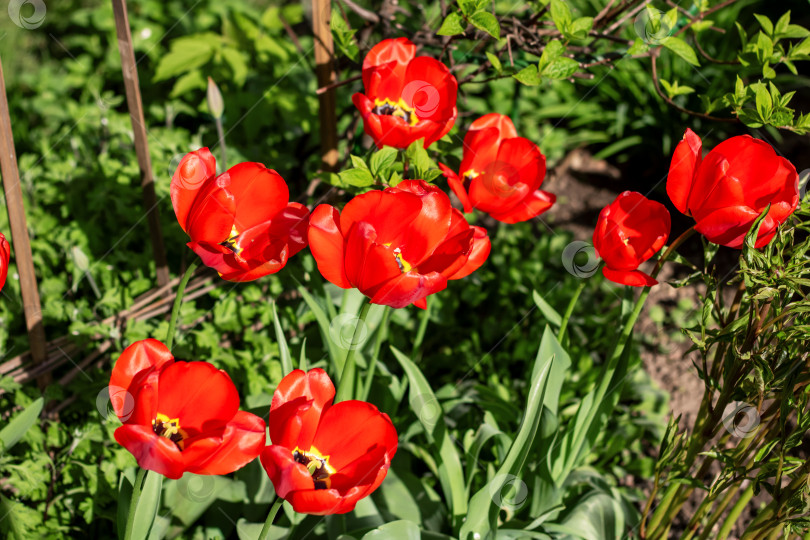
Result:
{"points": [[241, 222], [396, 246], [407, 97], [500, 172], [629, 231], [5, 255], [324, 457], [728, 189], [181, 416]]}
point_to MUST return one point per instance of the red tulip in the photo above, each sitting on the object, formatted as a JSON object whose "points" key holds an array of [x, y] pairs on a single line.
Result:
{"points": [[324, 457], [500, 173], [728, 189], [181, 416], [5, 255], [241, 222], [407, 97], [629, 231], [396, 246]]}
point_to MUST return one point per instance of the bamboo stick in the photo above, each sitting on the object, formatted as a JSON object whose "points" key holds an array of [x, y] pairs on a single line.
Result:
{"points": [[19, 234], [325, 72], [150, 202]]}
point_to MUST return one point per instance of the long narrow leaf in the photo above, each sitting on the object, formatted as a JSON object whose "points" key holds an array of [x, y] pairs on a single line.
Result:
{"points": [[482, 517], [15, 430], [424, 404], [283, 348]]}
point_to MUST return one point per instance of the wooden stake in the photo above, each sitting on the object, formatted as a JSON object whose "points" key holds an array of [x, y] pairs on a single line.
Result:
{"points": [[19, 235], [324, 70], [130, 71]]}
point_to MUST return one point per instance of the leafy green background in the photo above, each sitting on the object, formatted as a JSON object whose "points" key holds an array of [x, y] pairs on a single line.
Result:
{"points": [[92, 256]]}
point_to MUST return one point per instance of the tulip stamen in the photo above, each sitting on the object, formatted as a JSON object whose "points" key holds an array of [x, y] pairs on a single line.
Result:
{"points": [[404, 266], [170, 428], [467, 178], [317, 465], [399, 109], [231, 242]]}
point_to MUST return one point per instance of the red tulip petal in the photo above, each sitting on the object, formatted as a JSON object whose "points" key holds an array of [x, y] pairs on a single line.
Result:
{"points": [[394, 131], [201, 396], [137, 358], [322, 502], [682, 170], [211, 217], [287, 475], [478, 254], [366, 472], [260, 194], [389, 212], [439, 129], [451, 255], [291, 225], [326, 243], [240, 443], [389, 60], [408, 288], [421, 303], [506, 129], [371, 121], [140, 400], [532, 206], [430, 90], [480, 149], [5, 255], [728, 226], [351, 429], [369, 263], [457, 186], [634, 278], [152, 452], [298, 404], [217, 257], [430, 227], [194, 171], [505, 182]]}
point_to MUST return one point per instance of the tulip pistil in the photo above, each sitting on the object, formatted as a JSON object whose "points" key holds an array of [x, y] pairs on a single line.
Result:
{"points": [[231, 242], [167, 427], [404, 266], [386, 107], [467, 178], [317, 465]]}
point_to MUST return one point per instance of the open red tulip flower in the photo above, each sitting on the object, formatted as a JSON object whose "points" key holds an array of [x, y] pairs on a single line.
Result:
{"points": [[241, 222], [396, 246], [500, 172], [728, 189], [181, 416], [629, 231], [324, 457], [407, 97], [5, 255]]}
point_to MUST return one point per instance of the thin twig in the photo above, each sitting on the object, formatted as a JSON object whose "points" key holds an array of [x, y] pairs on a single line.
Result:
{"points": [[666, 98]]}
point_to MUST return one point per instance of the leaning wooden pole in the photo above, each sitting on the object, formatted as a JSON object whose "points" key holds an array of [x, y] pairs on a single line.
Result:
{"points": [[19, 237], [325, 72], [150, 202]]}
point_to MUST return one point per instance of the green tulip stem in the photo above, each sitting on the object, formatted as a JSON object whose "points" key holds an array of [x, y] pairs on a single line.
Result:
{"points": [[569, 311], [271, 517], [140, 479], [178, 300], [345, 389]]}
